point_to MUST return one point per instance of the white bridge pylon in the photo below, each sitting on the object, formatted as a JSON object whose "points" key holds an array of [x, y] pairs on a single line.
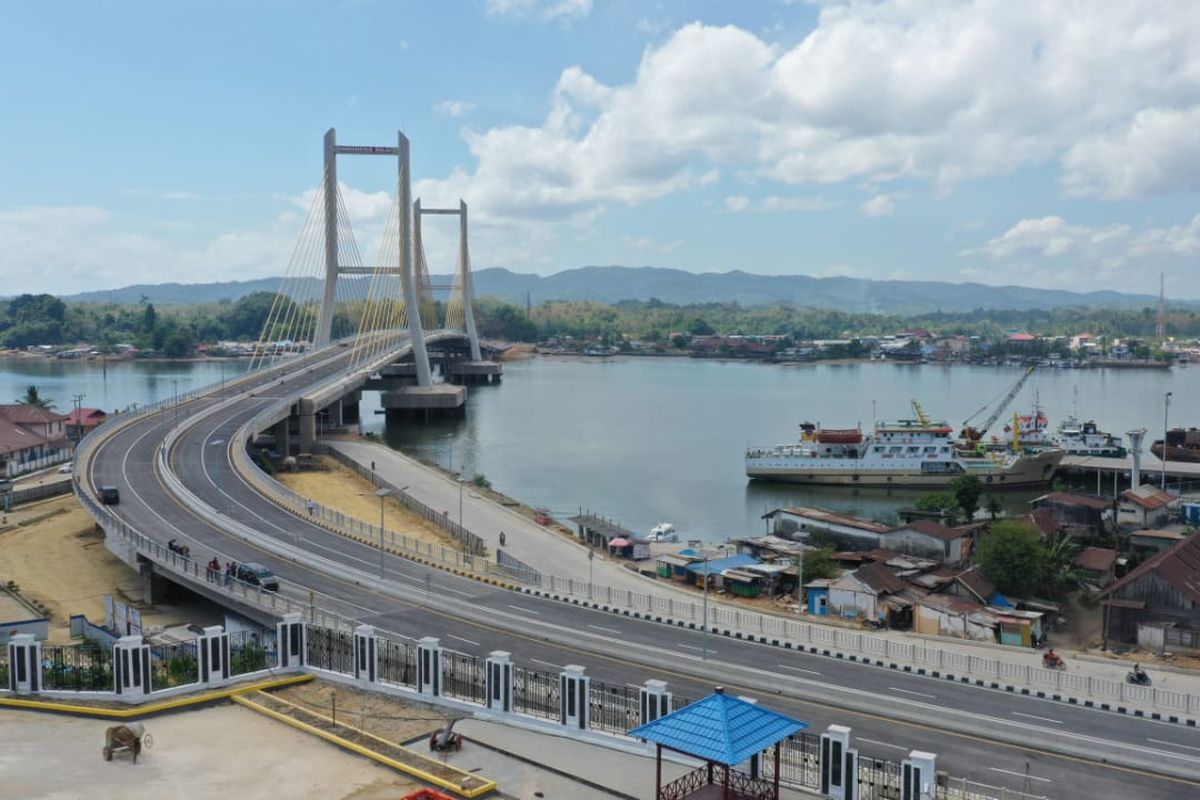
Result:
{"points": [[373, 304]]}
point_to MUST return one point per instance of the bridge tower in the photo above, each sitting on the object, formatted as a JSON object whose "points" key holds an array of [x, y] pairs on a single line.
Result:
{"points": [[333, 265]]}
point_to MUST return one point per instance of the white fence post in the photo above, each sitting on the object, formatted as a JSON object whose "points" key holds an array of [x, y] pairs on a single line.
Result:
{"points": [[499, 689], [131, 666], [654, 701], [366, 659], [837, 764], [214, 655], [917, 776], [574, 697], [429, 666], [289, 641], [24, 664]]}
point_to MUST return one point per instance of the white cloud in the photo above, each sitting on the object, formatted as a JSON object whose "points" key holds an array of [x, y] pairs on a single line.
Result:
{"points": [[540, 9], [453, 108], [737, 204], [649, 243], [943, 91], [881, 205], [1155, 152], [1108, 246]]}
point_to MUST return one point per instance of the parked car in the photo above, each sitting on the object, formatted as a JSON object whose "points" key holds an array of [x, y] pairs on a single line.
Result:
{"points": [[65, 469], [110, 495], [258, 575]]}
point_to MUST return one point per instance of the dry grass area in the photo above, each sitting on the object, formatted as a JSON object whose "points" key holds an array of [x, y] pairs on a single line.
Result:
{"points": [[383, 716], [336, 487], [58, 559]]}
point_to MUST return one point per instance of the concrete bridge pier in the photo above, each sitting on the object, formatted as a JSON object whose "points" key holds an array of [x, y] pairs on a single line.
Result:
{"points": [[283, 438], [306, 411], [475, 372], [442, 399]]}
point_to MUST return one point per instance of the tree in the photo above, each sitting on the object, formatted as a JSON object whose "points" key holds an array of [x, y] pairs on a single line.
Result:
{"points": [[1012, 555], [700, 327], [820, 564], [1059, 575], [967, 489], [994, 506], [34, 398], [942, 502]]}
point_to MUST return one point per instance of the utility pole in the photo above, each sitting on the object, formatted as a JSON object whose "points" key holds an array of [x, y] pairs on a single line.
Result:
{"points": [[1166, 408], [175, 382], [381, 494], [77, 400]]}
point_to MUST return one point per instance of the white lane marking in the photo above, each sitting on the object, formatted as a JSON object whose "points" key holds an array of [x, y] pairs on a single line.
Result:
{"points": [[1034, 716], [450, 589], [526, 610], [1173, 744], [606, 630], [697, 649], [461, 639], [1019, 774], [881, 744], [799, 669], [546, 663], [910, 691]]}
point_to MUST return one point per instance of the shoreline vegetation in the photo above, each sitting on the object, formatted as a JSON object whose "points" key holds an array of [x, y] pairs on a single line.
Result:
{"points": [[781, 331]]}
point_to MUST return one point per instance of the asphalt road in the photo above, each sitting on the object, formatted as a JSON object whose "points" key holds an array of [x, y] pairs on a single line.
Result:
{"points": [[889, 712]]}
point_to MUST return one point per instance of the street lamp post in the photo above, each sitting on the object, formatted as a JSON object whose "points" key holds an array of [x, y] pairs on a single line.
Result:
{"points": [[460, 491], [381, 493], [175, 382], [704, 626], [591, 558], [1166, 408]]}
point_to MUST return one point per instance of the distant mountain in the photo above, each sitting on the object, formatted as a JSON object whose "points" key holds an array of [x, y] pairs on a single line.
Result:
{"points": [[613, 284]]}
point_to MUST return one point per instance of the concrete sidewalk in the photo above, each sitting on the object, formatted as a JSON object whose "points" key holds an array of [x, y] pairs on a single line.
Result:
{"points": [[524, 539]]}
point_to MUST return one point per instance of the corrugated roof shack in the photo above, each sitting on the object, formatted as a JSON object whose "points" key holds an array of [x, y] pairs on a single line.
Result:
{"points": [[598, 531], [1157, 605], [1080, 515]]}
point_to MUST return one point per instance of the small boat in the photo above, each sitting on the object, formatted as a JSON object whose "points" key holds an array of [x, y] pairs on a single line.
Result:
{"points": [[1182, 445], [663, 532], [1086, 439]]}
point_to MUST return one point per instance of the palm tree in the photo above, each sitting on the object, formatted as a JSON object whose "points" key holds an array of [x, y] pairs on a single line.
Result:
{"points": [[1059, 575], [34, 398], [994, 506]]}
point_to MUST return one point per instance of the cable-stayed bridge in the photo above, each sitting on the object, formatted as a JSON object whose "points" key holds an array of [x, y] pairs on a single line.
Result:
{"points": [[384, 314]]}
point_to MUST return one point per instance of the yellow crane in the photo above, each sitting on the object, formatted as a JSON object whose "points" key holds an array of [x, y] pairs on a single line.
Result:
{"points": [[920, 412]]}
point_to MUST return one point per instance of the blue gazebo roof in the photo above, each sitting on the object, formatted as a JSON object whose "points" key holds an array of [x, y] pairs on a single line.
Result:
{"points": [[720, 728]]}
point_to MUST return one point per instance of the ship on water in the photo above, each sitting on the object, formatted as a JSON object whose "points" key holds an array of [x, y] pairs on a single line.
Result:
{"points": [[905, 453], [1182, 445]]}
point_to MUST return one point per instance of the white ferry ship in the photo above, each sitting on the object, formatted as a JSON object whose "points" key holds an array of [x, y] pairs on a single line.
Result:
{"points": [[1086, 439], [915, 453]]}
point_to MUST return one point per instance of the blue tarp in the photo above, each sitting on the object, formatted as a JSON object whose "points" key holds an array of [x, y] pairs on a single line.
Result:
{"points": [[720, 728], [718, 565]]}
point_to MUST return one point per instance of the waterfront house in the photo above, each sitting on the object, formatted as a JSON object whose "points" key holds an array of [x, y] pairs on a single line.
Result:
{"points": [[674, 565], [1147, 506], [848, 531], [84, 420], [925, 538], [1082, 516], [716, 566], [859, 594], [946, 615], [1158, 603], [31, 438], [770, 548], [1097, 563]]}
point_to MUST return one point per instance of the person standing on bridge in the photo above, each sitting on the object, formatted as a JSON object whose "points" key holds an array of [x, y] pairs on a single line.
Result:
{"points": [[311, 505]]}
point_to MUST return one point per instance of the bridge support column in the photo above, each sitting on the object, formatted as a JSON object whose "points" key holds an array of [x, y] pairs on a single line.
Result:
{"points": [[131, 667], [838, 765], [366, 660], [429, 666], [574, 697], [214, 655], [283, 439], [917, 776], [289, 637], [24, 664], [499, 681], [654, 701], [308, 424]]}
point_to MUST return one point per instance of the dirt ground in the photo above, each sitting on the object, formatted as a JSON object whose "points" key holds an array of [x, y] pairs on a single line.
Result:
{"points": [[336, 487], [226, 751], [59, 560], [379, 714]]}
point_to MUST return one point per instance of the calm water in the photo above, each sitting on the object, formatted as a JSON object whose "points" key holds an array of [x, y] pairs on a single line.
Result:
{"points": [[651, 440], [112, 388]]}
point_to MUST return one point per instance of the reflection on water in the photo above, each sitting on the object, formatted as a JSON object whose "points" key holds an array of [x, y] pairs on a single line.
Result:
{"points": [[651, 440]]}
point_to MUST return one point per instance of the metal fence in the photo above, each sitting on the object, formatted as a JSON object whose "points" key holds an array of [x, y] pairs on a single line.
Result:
{"points": [[28, 494], [799, 760], [878, 779], [613, 709], [173, 665], [536, 692], [397, 661], [85, 667], [330, 649], [463, 676], [251, 651]]}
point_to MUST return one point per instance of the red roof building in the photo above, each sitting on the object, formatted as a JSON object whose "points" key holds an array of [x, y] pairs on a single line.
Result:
{"points": [[86, 418], [31, 438]]}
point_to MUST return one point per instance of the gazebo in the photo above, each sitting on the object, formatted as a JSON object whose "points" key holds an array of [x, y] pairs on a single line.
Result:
{"points": [[722, 731]]}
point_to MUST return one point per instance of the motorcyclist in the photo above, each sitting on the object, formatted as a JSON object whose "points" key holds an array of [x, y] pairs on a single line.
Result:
{"points": [[1138, 674], [1051, 658]]}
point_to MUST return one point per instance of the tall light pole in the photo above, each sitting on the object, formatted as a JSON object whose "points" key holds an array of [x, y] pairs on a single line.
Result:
{"points": [[704, 627], [460, 490], [1166, 408], [175, 381], [381, 493], [77, 399], [591, 557]]}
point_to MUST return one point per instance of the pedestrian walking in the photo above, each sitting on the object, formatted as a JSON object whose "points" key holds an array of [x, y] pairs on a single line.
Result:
{"points": [[372, 466]]}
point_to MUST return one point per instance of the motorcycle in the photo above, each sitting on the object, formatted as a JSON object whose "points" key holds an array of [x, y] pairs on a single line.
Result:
{"points": [[1138, 677], [1053, 661]]}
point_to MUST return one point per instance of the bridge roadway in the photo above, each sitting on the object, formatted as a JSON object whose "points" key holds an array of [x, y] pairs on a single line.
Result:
{"points": [[987, 736]]}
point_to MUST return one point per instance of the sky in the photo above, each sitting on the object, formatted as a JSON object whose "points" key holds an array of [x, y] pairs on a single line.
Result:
{"points": [[1049, 144]]}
